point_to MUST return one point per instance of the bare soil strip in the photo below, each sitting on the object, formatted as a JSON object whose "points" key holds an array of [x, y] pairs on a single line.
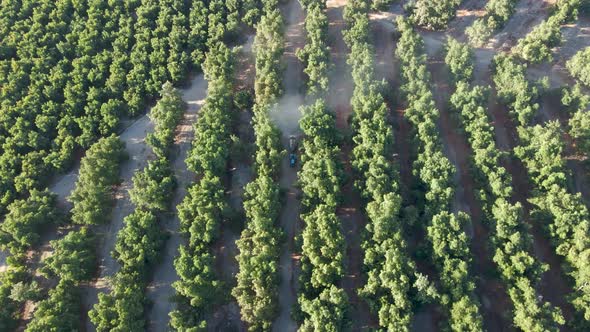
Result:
{"points": [[287, 117]]}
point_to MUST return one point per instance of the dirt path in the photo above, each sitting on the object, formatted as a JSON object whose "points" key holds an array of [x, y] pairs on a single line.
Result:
{"points": [[160, 290], [287, 118], [350, 212]]}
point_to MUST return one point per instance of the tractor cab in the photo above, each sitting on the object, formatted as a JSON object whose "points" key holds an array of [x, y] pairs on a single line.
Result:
{"points": [[292, 150]]}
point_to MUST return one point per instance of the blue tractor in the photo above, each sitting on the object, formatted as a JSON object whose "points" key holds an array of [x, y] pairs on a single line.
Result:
{"points": [[292, 150]]}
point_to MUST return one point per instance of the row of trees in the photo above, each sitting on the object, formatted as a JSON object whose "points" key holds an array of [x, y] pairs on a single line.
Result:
{"points": [[567, 218], [139, 243], [323, 304], [204, 208], [576, 103], [579, 66], [536, 46], [260, 242], [450, 246], [73, 260], [315, 55], [519, 268], [19, 232], [497, 14], [432, 14], [386, 261]]}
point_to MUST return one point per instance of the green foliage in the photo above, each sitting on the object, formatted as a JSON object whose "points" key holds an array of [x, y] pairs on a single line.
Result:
{"points": [[519, 268], [513, 88], [579, 66], [327, 312], [153, 186], [210, 147], [579, 125], [73, 258], [450, 246], [451, 254], [99, 171], [60, 311], [497, 14], [536, 46], [25, 219], [259, 253], [386, 263], [138, 243], [459, 59], [138, 246], [260, 242], [22, 291], [432, 14], [165, 115], [268, 47], [122, 308], [204, 208], [316, 54], [569, 220], [381, 4]]}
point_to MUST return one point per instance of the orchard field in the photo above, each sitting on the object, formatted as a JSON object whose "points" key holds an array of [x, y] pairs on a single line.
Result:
{"points": [[294, 165]]}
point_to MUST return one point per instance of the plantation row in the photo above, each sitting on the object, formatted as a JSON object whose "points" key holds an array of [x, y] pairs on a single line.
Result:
{"points": [[450, 247], [566, 217], [139, 243], [518, 266], [386, 261], [260, 242], [323, 304]]}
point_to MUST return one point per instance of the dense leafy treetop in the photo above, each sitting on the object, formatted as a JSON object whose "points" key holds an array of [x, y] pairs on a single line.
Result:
{"points": [[432, 14], [99, 171]]}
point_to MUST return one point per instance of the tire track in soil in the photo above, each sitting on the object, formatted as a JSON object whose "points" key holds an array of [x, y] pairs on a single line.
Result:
{"points": [[287, 119], [493, 295], [160, 291], [350, 213]]}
